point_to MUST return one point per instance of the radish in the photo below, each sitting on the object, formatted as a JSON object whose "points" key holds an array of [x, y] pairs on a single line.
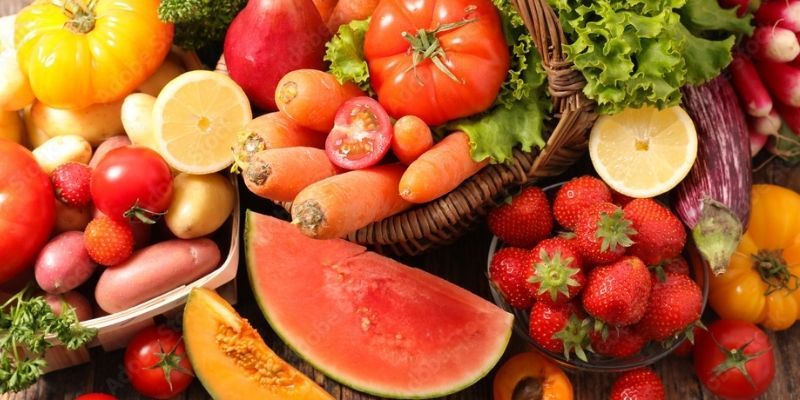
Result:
{"points": [[757, 142], [775, 44], [750, 88], [783, 13], [783, 81], [769, 125], [790, 116]]}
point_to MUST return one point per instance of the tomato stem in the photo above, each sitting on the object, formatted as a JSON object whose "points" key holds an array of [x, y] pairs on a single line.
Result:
{"points": [[144, 215], [772, 268], [736, 358], [169, 361], [82, 17], [426, 45]]}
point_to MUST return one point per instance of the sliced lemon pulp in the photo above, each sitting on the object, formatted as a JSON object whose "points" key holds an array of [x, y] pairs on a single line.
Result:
{"points": [[643, 152], [196, 119]]}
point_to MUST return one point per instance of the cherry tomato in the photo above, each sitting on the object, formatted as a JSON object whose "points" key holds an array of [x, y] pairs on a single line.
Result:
{"points": [[27, 209], [726, 351], [132, 182], [156, 363], [95, 396], [361, 135]]}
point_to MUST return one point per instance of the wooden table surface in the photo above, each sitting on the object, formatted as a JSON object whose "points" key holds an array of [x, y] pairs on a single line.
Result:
{"points": [[463, 263]]}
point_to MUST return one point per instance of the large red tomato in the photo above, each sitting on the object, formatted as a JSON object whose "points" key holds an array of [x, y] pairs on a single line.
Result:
{"points": [[27, 209], [438, 60]]}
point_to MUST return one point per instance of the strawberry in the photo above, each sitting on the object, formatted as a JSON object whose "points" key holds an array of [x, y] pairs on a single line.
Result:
{"points": [[603, 233], [108, 241], [639, 384], [575, 196], [619, 342], [509, 270], [659, 233], [619, 198], [557, 271], [677, 265], [616, 294], [560, 328], [675, 306], [525, 220], [71, 183]]}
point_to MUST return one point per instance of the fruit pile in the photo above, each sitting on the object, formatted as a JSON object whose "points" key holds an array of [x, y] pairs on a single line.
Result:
{"points": [[613, 280]]}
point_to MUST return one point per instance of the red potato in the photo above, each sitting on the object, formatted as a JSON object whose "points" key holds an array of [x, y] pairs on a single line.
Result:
{"points": [[63, 263], [155, 270], [71, 218], [280, 174], [108, 145], [83, 309]]}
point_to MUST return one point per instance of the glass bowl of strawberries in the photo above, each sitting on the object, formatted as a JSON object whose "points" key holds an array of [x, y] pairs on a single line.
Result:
{"points": [[596, 281]]}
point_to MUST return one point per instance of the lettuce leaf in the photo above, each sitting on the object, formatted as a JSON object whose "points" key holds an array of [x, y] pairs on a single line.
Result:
{"points": [[524, 67], [640, 52], [345, 53]]}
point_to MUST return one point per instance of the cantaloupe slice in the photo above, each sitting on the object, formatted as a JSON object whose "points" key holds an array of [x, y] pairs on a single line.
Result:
{"points": [[232, 361]]}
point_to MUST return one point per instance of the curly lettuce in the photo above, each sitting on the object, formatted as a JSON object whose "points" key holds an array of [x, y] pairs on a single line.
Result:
{"points": [[516, 120], [640, 52]]}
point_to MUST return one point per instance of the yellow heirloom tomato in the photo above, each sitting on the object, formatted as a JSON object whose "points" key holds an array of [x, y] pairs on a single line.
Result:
{"points": [[761, 283], [81, 52]]}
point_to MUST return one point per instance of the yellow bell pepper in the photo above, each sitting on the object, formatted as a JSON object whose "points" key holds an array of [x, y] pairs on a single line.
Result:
{"points": [[762, 279]]}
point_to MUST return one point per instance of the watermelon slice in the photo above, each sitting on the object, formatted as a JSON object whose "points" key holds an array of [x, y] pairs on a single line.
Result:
{"points": [[367, 321]]}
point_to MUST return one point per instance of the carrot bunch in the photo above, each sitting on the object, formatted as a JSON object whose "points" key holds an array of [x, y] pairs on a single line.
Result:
{"points": [[283, 157]]}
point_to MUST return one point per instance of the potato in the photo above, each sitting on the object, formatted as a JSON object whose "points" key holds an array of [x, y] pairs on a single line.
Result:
{"points": [[95, 123], [137, 119], [34, 137], [11, 126], [63, 263], [108, 145], [61, 150], [200, 204], [171, 68], [71, 218], [83, 310], [155, 270]]}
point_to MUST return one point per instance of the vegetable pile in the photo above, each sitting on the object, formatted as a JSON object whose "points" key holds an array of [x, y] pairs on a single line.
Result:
{"points": [[635, 53]]}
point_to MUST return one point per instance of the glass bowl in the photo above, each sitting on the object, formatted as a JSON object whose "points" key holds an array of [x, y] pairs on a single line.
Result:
{"points": [[650, 354]]}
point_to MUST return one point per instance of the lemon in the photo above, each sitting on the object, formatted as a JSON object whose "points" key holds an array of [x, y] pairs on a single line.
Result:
{"points": [[643, 152], [196, 119]]}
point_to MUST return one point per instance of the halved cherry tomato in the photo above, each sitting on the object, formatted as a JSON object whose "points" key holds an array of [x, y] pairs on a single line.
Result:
{"points": [[361, 135]]}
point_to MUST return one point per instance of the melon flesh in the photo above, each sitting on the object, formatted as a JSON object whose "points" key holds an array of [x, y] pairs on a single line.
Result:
{"points": [[368, 321]]}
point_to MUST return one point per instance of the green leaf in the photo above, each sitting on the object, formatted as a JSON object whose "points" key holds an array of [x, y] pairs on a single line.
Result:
{"points": [[706, 15], [704, 58], [526, 72], [345, 53], [495, 134]]}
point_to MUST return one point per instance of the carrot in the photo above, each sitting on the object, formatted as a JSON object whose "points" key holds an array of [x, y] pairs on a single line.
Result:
{"points": [[346, 11], [325, 8], [439, 170], [280, 174], [411, 138], [344, 203], [272, 131], [311, 97]]}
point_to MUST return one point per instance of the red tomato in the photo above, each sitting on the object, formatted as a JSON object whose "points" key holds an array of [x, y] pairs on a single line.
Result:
{"points": [[459, 74], [27, 209], [95, 396], [361, 135], [130, 182], [729, 345], [153, 354]]}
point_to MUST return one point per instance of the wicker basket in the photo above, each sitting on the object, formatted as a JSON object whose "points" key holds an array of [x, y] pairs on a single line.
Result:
{"points": [[443, 220]]}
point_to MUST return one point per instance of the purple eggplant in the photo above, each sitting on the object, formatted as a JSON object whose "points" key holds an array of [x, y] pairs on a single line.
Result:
{"points": [[714, 199]]}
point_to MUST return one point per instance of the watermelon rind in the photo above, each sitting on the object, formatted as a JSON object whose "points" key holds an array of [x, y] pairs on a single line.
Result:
{"points": [[456, 387]]}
